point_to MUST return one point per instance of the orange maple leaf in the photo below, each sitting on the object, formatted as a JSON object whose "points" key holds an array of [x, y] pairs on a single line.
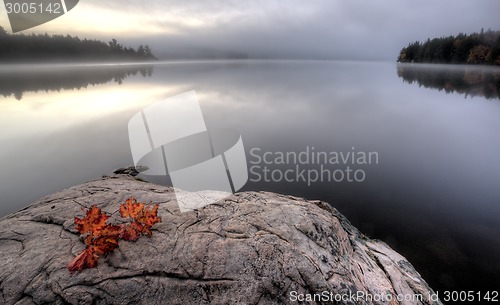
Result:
{"points": [[148, 218], [108, 240], [131, 208], [93, 222], [104, 245], [144, 219]]}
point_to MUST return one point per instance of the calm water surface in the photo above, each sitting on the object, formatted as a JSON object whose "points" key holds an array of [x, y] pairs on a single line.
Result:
{"points": [[434, 194]]}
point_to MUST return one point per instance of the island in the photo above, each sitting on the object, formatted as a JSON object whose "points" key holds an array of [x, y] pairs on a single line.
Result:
{"points": [[477, 48], [20, 48]]}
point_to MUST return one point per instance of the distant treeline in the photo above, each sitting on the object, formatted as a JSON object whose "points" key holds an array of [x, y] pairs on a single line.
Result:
{"points": [[14, 48], [476, 48]]}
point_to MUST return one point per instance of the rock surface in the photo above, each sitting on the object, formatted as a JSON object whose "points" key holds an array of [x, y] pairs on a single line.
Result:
{"points": [[251, 248]]}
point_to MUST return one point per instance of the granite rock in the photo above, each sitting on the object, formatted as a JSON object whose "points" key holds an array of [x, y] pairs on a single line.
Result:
{"points": [[250, 248]]}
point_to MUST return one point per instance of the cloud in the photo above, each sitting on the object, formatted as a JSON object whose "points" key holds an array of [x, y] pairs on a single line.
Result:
{"points": [[334, 29]]}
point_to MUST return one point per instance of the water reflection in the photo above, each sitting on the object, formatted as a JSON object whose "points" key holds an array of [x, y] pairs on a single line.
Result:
{"points": [[15, 81], [467, 80], [433, 196]]}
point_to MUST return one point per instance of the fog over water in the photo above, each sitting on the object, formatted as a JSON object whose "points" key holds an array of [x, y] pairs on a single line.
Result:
{"points": [[432, 194]]}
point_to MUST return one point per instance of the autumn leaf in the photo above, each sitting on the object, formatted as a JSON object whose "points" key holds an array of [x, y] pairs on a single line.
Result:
{"points": [[104, 245], [144, 219], [132, 232], [148, 218], [108, 240], [93, 222], [112, 231], [131, 208], [102, 238], [86, 259]]}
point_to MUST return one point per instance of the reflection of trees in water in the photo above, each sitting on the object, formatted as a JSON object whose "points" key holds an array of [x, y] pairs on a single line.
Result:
{"points": [[471, 81], [18, 81]]}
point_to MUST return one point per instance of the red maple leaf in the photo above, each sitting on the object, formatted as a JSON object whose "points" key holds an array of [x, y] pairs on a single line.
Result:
{"points": [[86, 259], [132, 232]]}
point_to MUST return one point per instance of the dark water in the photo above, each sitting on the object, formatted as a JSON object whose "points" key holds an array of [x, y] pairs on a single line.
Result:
{"points": [[433, 194]]}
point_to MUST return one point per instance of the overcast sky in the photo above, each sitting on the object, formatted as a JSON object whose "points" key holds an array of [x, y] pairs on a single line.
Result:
{"points": [[333, 29]]}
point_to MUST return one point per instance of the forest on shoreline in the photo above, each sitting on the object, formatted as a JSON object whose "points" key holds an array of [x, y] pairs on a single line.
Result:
{"points": [[477, 48], [38, 47]]}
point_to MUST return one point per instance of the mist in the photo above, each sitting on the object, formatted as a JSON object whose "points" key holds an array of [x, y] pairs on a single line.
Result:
{"points": [[338, 30]]}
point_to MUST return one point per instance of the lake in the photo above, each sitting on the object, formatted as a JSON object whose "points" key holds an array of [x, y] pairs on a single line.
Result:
{"points": [[432, 192]]}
